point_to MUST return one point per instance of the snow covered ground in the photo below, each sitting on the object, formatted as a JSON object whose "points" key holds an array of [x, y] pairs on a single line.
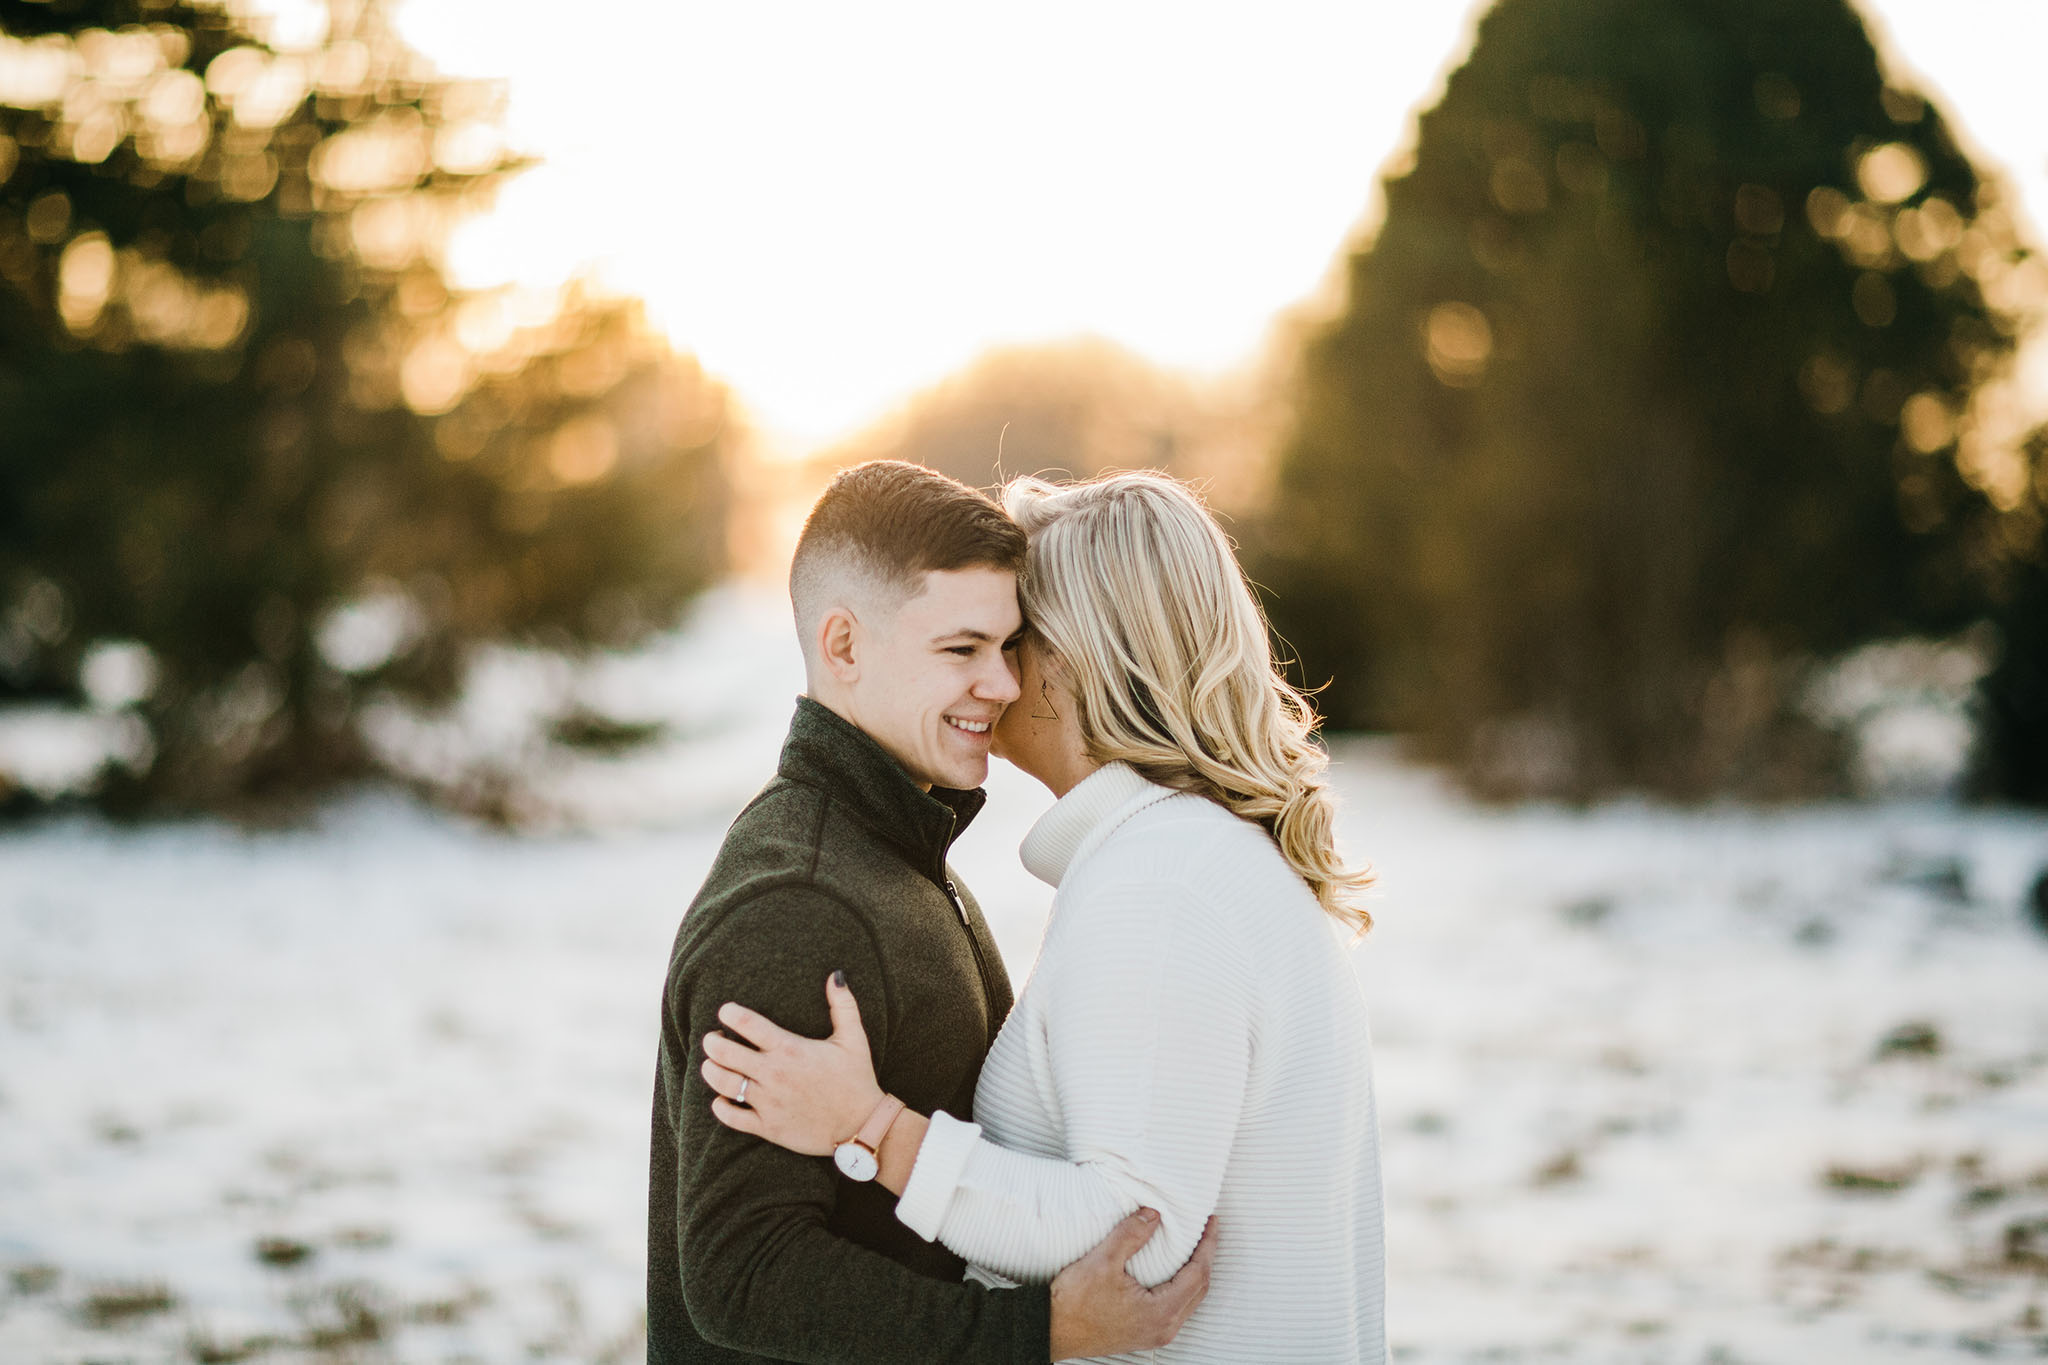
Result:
{"points": [[1732, 1085]]}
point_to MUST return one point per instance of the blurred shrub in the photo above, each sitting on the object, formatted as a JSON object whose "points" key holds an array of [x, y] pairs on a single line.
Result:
{"points": [[1654, 384], [1072, 410], [259, 462]]}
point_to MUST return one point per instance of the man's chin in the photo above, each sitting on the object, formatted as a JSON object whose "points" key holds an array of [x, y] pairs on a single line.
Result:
{"points": [[966, 777]]}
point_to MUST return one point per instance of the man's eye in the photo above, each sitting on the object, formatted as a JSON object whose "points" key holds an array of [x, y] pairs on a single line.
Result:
{"points": [[964, 651]]}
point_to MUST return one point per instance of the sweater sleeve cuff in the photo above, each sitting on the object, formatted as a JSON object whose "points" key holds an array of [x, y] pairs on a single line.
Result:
{"points": [[941, 1158]]}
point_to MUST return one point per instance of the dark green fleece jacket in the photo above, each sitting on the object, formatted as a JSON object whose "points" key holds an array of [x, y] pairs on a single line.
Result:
{"points": [[756, 1253]]}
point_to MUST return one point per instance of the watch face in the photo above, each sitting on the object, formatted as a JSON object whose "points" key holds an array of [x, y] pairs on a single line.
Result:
{"points": [[855, 1161]]}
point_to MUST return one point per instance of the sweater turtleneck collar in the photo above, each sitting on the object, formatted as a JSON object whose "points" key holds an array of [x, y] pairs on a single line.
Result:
{"points": [[1083, 818]]}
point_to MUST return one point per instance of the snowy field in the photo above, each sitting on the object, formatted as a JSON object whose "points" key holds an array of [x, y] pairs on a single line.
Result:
{"points": [[1734, 1085]]}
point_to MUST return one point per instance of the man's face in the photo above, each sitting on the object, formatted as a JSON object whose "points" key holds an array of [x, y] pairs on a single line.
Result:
{"points": [[934, 678]]}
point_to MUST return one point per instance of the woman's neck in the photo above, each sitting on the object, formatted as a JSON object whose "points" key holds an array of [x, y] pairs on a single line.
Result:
{"points": [[1068, 773]]}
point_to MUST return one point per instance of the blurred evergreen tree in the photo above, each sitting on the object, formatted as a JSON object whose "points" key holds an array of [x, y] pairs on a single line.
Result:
{"points": [[258, 461], [2011, 758], [1074, 409], [1650, 386]]}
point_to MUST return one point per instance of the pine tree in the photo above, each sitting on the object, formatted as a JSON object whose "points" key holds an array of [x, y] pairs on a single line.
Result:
{"points": [[241, 408], [1650, 386], [2011, 758]]}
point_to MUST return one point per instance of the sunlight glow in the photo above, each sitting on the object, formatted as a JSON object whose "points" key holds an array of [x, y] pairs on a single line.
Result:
{"points": [[834, 205]]}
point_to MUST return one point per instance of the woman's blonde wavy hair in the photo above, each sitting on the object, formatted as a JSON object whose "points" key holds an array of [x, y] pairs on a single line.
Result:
{"points": [[1136, 595]]}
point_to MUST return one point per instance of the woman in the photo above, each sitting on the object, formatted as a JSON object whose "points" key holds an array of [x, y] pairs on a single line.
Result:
{"points": [[1192, 1038]]}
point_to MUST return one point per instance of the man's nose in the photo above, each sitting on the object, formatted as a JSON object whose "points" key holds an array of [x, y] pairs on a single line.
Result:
{"points": [[1000, 683]]}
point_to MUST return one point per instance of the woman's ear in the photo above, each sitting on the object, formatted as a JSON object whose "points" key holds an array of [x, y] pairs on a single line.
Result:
{"points": [[839, 645], [1051, 667]]}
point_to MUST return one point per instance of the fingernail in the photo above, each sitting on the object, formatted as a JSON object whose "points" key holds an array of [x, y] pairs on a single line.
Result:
{"points": [[839, 979], [1149, 1215]]}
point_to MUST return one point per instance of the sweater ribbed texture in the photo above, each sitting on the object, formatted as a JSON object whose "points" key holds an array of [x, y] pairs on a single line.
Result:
{"points": [[1192, 1039]]}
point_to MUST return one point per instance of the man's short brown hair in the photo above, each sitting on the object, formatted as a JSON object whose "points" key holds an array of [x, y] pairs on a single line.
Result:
{"points": [[881, 526]]}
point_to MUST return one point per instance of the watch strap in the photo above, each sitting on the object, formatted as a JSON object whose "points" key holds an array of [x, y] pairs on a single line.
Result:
{"points": [[879, 1121]]}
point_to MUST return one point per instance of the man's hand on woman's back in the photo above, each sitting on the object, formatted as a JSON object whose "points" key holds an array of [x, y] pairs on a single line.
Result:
{"points": [[1100, 1309]]}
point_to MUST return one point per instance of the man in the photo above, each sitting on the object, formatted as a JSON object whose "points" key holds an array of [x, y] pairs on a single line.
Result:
{"points": [[904, 590]]}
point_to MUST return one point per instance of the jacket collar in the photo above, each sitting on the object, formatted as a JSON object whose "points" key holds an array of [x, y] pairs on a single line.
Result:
{"points": [[827, 751], [1079, 821]]}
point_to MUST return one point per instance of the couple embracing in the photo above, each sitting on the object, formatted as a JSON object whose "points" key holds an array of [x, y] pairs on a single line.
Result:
{"points": [[861, 1151]]}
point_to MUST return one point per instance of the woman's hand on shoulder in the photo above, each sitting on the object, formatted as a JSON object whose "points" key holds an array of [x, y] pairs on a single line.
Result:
{"points": [[805, 1094]]}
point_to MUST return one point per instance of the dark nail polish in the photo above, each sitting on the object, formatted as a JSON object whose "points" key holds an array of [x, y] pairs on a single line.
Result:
{"points": [[839, 979]]}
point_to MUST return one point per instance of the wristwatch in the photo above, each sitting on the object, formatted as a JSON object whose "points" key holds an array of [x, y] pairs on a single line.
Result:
{"points": [[855, 1157]]}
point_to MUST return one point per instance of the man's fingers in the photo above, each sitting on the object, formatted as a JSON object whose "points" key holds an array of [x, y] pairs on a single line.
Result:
{"points": [[846, 1025], [758, 1029], [1205, 1250], [1190, 1284], [1127, 1237]]}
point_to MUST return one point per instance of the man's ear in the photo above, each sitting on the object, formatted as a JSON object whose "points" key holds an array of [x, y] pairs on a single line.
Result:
{"points": [[840, 645]]}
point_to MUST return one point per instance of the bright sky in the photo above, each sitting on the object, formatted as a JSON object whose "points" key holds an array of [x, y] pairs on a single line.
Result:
{"points": [[835, 204]]}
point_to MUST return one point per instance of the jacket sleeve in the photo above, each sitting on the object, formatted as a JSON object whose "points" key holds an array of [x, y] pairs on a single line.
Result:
{"points": [[761, 1271], [1148, 1038]]}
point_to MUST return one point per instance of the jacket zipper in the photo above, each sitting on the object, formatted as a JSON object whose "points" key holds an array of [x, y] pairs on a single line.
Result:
{"points": [[988, 990]]}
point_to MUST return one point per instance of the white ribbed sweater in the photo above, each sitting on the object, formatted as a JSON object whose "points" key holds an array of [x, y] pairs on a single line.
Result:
{"points": [[1191, 1039]]}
